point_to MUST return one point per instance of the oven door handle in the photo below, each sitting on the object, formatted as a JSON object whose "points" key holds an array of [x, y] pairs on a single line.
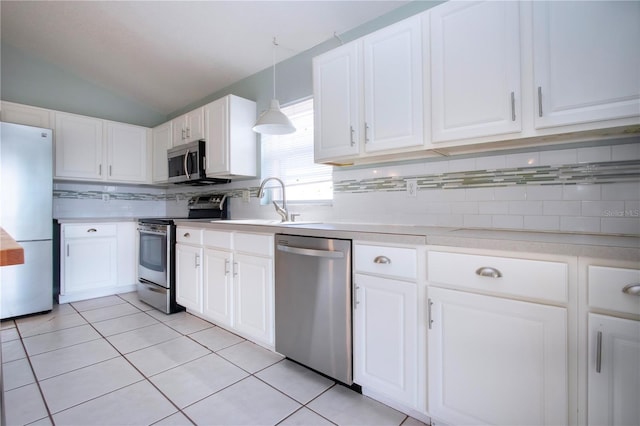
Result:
{"points": [[147, 231]]}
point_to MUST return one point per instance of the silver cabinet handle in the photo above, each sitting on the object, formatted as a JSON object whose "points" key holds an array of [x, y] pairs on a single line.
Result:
{"points": [[353, 142], [513, 106], [226, 266], [429, 320], [355, 296], [188, 132], [184, 134], [110, 169], [235, 269], [67, 250], [632, 289], [382, 260], [186, 235], [487, 271], [539, 101], [99, 169], [366, 133], [599, 352], [92, 230], [197, 260]]}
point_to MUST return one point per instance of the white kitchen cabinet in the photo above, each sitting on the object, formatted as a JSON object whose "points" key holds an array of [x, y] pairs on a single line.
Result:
{"points": [[493, 359], [127, 150], [97, 259], [586, 64], [368, 95], [88, 148], [496, 361], [189, 277], [79, 146], [24, 114], [475, 70], [231, 142], [162, 141], [217, 286], [188, 127], [387, 324], [614, 371], [611, 342], [253, 296]]}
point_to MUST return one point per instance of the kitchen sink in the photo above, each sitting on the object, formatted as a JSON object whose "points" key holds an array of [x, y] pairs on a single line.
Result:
{"points": [[266, 222]]}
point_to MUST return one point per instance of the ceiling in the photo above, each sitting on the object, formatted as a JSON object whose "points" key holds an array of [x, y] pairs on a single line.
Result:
{"points": [[169, 54]]}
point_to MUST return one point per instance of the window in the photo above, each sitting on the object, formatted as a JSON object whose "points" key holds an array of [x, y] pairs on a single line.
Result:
{"points": [[290, 158]]}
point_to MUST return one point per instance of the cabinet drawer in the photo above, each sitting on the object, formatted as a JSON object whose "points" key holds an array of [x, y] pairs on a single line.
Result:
{"points": [[518, 277], [189, 235], [90, 230], [606, 285], [389, 261], [254, 243], [218, 239]]}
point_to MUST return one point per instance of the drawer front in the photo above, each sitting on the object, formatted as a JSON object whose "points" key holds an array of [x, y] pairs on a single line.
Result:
{"points": [[518, 277], [218, 239], [397, 262], [90, 230], [186, 235], [606, 285], [259, 244]]}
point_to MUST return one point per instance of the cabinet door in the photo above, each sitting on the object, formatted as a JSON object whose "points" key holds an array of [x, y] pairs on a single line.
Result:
{"points": [[189, 277], [253, 297], [195, 125], [25, 114], [162, 137], [217, 297], [614, 371], [179, 126], [586, 62], [385, 337], [337, 103], [78, 146], [475, 69], [89, 263], [393, 110], [216, 116], [127, 152], [496, 361]]}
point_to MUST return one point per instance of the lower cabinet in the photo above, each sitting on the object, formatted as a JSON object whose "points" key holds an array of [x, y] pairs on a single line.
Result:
{"points": [[96, 260], [496, 361], [189, 277], [232, 285]]}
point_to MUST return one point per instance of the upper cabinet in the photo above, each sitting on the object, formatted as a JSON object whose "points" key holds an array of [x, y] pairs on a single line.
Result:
{"points": [[188, 127], [586, 61], [231, 142], [25, 114], [368, 95], [475, 70], [88, 148], [161, 141]]}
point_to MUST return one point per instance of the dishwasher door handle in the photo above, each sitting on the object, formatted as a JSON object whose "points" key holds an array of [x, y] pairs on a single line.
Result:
{"points": [[311, 252]]}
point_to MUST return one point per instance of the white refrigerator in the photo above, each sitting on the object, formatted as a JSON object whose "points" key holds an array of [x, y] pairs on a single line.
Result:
{"points": [[26, 203]]}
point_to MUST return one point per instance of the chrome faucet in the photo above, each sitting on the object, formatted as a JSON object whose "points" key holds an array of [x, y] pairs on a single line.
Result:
{"points": [[281, 210]]}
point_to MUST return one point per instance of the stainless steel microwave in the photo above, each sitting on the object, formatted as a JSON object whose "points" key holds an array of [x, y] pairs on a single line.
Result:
{"points": [[187, 165]]}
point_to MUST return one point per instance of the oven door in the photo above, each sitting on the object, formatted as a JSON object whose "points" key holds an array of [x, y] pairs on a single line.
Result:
{"points": [[153, 256]]}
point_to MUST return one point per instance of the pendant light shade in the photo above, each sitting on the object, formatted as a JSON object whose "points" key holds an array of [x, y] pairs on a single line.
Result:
{"points": [[273, 121]]}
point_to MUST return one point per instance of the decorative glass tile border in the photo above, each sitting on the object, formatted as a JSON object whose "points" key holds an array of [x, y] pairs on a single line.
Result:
{"points": [[97, 195], [605, 172]]}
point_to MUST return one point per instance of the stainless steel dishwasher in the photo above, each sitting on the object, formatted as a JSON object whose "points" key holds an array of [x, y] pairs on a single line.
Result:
{"points": [[313, 303]]}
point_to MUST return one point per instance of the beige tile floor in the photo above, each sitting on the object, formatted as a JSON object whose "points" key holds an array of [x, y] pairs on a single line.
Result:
{"points": [[116, 361]]}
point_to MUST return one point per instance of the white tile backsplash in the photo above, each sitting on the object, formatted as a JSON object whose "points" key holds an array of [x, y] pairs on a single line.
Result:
{"points": [[625, 152], [594, 154], [527, 159], [558, 157], [542, 223], [580, 224], [581, 192]]}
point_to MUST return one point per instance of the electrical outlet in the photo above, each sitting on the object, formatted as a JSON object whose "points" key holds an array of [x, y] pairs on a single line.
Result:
{"points": [[412, 188], [246, 195], [105, 197]]}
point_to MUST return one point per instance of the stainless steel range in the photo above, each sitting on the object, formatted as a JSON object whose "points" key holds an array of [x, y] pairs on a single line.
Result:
{"points": [[157, 239]]}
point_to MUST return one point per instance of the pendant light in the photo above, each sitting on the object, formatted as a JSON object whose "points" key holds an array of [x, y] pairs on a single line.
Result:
{"points": [[273, 121]]}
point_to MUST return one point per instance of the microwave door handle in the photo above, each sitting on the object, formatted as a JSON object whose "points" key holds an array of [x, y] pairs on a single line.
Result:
{"points": [[186, 166]]}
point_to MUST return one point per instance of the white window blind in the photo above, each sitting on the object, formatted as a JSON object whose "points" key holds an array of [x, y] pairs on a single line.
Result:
{"points": [[290, 158]]}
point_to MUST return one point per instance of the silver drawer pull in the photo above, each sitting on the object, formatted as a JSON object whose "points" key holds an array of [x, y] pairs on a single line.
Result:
{"points": [[92, 230], [382, 259], [487, 271], [186, 235], [632, 289]]}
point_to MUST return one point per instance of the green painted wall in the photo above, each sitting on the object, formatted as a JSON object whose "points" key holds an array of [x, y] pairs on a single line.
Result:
{"points": [[29, 80]]}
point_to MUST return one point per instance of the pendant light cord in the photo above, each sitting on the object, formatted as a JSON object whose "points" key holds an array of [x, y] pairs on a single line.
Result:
{"points": [[275, 44]]}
